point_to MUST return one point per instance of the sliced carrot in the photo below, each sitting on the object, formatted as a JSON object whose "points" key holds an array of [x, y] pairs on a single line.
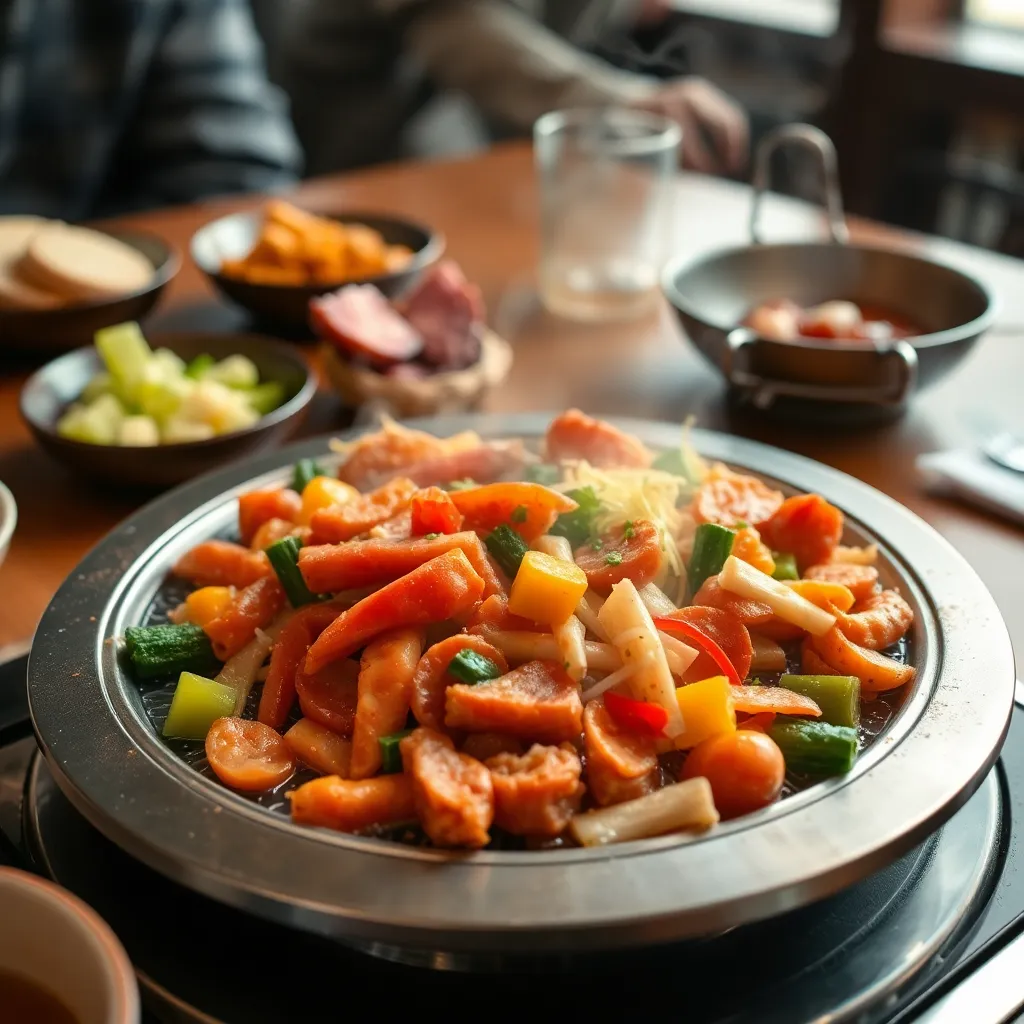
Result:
{"points": [[219, 563], [433, 511], [530, 509], [714, 626], [248, 756], [729, 499], [827, 595], [875, 671], [254, 608], [749, 548], [349, 805], [330, 696], [878, 622], [319, 747], [258, 507], [384, 695], [807, 527], [271, 532], [621, 765], [435, 591], [431, 679], [754, 614], [288, 654], [627, 552], [343, 522], [574, 435], [331, 568], [493, 611], [776, 699], [812, 663], [860, 580], [760, 722]]}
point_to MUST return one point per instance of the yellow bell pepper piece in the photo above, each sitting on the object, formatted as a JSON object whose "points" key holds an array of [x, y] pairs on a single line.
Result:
{"points": [[707, 711], [823, 594], [546, 589], [208, 603], [323, 492]]}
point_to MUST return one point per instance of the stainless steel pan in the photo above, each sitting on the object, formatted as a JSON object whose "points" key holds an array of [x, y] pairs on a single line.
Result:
{"points": [[713, 295]]}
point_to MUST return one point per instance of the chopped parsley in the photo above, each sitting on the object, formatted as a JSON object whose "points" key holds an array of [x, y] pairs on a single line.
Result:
{"points": [[597, 543], [613, 558], [431, 536], [519, 514], [627, 530], [578, 526], [741, 524]]}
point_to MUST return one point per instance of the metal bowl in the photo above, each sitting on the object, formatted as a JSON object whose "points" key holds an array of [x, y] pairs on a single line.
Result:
{"points": [[714, 294], [46, 331], [232, 237], [396, 900]]}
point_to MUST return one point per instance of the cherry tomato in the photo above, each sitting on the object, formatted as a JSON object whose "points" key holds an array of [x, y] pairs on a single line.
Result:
{"points": [[745, 770], [248, 756]]}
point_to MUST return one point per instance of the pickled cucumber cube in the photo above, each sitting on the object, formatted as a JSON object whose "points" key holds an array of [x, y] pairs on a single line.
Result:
{"points": [[181, 431], [97, 423], [234, 372], [266, 397], [197, 703], [125, 353], [139, 432], [101, 384], [160, 395], [218, 406], [199, 367]]}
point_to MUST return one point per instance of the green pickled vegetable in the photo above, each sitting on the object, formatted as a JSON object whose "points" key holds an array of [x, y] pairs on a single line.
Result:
{"points": [[126, 354], [264, 398], [390, 752], [98, 423], [542, 473], [785, 566], [200, 366], [284, 560], [837, 696], [816, 748], [197, 703], [156, 651], [508, 549], [712, 545], [235, 371], [470, 667], [578, 526], [461, 485]]}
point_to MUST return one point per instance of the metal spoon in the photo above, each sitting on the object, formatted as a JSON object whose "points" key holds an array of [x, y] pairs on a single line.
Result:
{"points": [[1006, 450]]}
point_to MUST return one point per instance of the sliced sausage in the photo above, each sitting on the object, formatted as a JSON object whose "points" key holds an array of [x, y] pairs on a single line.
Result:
{"points": [[536, 793], [621, 765], [860, 580], [878, 622], [631, 551], [574, 435], [431, 680], [349, 805]]}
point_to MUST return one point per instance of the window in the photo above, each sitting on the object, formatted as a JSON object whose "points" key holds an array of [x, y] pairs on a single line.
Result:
{"points": [[1002, 13]]}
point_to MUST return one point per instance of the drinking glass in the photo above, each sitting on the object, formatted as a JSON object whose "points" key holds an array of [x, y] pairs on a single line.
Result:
{"points": [[606, 182]]}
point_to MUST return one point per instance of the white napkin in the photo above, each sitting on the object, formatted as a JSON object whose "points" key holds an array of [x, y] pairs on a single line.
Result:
{"points": [[975, 478]]}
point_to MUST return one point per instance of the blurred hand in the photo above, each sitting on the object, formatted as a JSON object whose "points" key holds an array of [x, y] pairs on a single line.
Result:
{"points": [[699, 108]]}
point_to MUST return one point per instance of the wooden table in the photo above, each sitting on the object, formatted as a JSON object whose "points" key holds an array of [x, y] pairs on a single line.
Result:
{"points": [[487, 207]]}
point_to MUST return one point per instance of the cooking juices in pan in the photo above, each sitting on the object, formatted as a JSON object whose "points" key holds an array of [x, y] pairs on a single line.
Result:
{"points": [[784, 320], [465, 644]]}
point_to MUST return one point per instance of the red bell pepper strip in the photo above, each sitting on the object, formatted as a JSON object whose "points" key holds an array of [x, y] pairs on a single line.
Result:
{"points": [[687, 631], [636, 715]]}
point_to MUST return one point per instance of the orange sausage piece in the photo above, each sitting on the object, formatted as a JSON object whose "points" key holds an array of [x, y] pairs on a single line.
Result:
{"points": [[384, 695], [860, 580], [329, 697], [493, 611], [254, 608], [248, 756], [270, 532], [875, 671], [530, 509], [632, 552], [775, 699], [485, 745], [453, 792], [331, 568], [621, 765], [219, 563], [574, 435], [319, 747], [258, 507], [536, 793], [807, 527], [729, 498], [433, 511], [431, 679], [748, 547], [289, 653], [343, 522], [726, 630], [349, 805], [537, 701], [438, 590], [812, 663], [753, 614], [878, 622]]}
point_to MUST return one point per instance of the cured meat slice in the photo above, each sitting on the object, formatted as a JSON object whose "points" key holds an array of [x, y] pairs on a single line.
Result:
{"points": [[447, 312], [361, 321]]}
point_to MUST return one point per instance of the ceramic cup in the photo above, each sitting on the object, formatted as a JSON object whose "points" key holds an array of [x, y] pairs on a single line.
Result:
{"points": [[55, 940]]}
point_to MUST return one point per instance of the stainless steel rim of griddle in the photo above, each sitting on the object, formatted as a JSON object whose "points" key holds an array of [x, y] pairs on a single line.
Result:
{"points": [[106, 756]]}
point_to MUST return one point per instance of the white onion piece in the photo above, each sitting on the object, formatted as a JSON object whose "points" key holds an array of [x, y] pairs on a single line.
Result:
{"points": [[520, 646], [740, 578], [240, 670], [656, 601], [571, 639], [609, 682]]}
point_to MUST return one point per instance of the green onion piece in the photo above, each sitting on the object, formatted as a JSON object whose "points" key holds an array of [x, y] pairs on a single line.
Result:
{"points": [[542, 473], [613, 558], [266, 397], [390, 752], [815, 748], [431, 536], [785, 567], [578, 526], [712, 545], [304, 471], [837, 696], [470, 667], [597, 543], [462, 485], [628, 532], [156, 651], [200, 366], [508, 549], [519, 514], [284, 560], [197, 703]]}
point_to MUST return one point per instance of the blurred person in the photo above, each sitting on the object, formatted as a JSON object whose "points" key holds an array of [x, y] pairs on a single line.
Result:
{"points": [[108, 106], [360, 70]]}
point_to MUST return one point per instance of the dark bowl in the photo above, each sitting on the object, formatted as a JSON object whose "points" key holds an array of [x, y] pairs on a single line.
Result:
{"points": [[232, 237], [70, 327], [48, 393]]}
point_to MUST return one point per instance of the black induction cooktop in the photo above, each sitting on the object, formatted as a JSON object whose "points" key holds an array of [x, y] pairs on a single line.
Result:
{"points": [[936, 938]]}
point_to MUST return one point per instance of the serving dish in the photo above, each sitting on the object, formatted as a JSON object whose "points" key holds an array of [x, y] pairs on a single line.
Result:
{"points": [[231, 237], [395, 900], [54, 387], [713, 294], [48, 331]]}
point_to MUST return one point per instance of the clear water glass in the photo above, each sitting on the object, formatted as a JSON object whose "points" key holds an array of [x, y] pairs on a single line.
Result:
{"points": [[606, 186]]}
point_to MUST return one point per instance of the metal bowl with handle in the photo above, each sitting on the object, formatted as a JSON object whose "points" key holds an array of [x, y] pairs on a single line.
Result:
{"points": [[714, 294]]}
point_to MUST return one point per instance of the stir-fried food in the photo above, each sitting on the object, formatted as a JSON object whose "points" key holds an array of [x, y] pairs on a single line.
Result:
{"points": [[592, 644]]}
